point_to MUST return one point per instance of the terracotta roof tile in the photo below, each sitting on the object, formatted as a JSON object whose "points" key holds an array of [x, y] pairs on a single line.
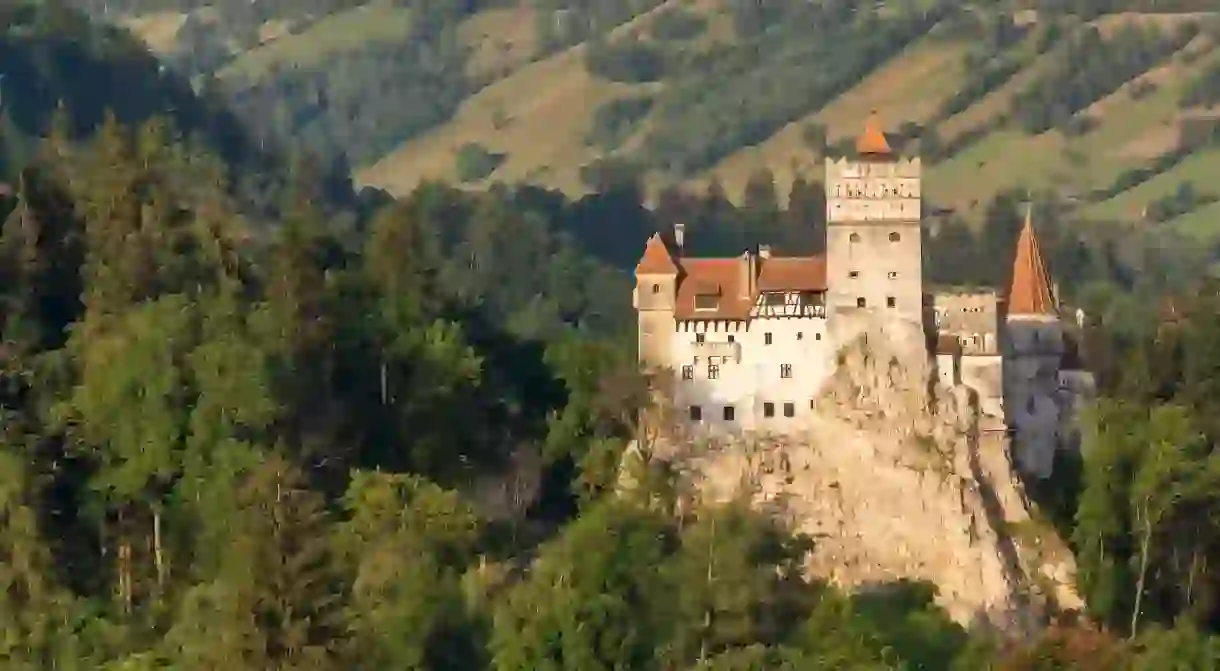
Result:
{"points": [[723, 278], [1030, 293], [656, 259], [796, 273], [947, 343], [872, 141], [718, 277]]}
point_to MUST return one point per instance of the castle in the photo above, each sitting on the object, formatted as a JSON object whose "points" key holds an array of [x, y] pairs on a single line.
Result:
{"points": [[750, 340]]}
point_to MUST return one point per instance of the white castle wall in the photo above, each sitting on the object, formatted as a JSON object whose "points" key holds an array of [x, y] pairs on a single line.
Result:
{"points": [[750, 372], [874, 259]]}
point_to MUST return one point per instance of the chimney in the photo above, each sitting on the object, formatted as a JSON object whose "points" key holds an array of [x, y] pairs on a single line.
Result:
{"points": [[679, 236], [764, 251], [749, 274]]}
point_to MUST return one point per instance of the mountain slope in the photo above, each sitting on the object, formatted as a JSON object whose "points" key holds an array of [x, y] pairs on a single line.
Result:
{"points": [[532, 117], [687, 92]]}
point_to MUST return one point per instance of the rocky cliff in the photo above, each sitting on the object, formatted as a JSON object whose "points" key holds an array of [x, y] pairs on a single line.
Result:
{"points": [[894, 479]]}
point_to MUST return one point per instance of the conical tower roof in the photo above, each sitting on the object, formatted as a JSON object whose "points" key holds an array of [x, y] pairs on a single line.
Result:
{"points": [[656, 259], [872, 141], [1030, 293]]}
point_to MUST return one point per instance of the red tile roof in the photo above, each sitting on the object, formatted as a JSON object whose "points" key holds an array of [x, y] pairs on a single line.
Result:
{"points": [[1030, 293], [656, 260], [717, 277], [947, 343], [793, 273], [872, 141], [724, 277]]}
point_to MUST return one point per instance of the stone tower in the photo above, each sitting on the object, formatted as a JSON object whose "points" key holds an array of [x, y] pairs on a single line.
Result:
{"points": [[1034, 352], [873, 247], [655, 295]]}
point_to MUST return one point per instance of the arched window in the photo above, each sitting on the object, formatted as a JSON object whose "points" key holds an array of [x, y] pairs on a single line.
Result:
{"points": [[656, 288], [855, 237], [894, 237]]}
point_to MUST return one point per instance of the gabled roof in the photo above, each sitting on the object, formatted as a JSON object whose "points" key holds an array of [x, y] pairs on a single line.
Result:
{"points": [[1030, 293], [792, 273], [656, 259], [723, 277], [872, 141], [718, 277]]}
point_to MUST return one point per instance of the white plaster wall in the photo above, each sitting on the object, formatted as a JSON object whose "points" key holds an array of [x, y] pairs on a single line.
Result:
{"points": [[752, 376], [985, 375], [946, 369]]}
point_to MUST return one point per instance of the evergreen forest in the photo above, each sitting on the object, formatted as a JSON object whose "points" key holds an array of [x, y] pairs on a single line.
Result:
{"points": [[253, 418]]}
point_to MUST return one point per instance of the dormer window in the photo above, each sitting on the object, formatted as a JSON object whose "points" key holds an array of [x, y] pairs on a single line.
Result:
{"points": [[707, 301]]}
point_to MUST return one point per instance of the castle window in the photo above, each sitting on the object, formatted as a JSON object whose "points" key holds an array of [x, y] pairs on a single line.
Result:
{"points": [[800, 336], [853, 274], [688, 372], [707, 301], [894, 237], [855, 237], [699, 337], [766, 338], [656, 288], [1030, 406], [774, 299], [861, 303], [768, 409], [789, 410], [713, 372], [785, 370], [732, 339], [728, 413], [696, 413], [817, 336], [893, 275], [890, 301]]}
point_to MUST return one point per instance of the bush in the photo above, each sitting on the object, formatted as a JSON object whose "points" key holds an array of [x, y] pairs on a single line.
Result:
{"points": [[615, 120], [814, 135], [677, 25], [474, 162], [627, 61]]}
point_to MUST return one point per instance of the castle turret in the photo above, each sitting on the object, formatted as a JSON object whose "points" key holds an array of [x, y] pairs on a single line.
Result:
{"points": [[1034, 335], [874, 255], [656, 280], [1030, 295]]}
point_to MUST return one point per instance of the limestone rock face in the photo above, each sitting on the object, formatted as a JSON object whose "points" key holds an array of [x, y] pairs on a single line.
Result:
{"points": [[894, 480]]}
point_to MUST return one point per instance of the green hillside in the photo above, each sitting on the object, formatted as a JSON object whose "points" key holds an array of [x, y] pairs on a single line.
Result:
{"points": [[995, 95]]}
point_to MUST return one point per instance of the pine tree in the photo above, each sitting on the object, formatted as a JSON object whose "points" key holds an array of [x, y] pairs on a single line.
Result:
{"points": [[280, 573], [407, 543]]}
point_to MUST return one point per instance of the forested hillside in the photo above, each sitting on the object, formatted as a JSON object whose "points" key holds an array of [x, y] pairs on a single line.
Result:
{"points": [[227, 452], [290, 428], [1104, 104]]}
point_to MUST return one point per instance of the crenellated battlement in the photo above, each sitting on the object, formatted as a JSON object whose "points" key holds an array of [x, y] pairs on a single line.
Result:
{"points": [[845, 168], [751, 339]]}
